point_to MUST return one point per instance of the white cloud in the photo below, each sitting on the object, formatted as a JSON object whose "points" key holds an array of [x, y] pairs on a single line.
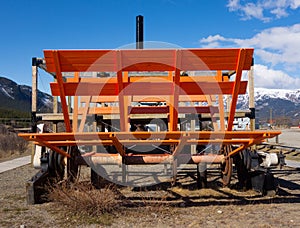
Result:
{"points": [[295, 4], [275, 48], [260, 8], [274, 79], [278, 45]]}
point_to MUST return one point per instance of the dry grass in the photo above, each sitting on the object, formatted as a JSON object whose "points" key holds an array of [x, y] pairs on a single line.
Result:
{"points": [[83, 199], [11, 144]]}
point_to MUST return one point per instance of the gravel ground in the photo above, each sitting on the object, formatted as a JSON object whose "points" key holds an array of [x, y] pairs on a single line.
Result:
{"points": [[165, 206], [181, 206]]}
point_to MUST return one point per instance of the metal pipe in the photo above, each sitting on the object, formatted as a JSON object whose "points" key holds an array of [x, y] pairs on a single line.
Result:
{"points": [[139, 32], [152, 159]]}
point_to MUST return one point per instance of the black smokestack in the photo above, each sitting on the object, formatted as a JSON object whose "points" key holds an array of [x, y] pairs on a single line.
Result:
{"points": [[139, 32]]}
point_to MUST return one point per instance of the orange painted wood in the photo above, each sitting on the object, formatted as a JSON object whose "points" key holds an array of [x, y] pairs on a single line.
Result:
{"points": [[149, 110], [61, 91], [236, 88], [153, 89], [149, 135], [101, 110], [173, 112], [147, 60], [75, 106], [112, 99]]}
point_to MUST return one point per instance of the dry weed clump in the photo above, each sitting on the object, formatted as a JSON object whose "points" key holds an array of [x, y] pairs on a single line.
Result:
{"points": [[84, 199], [10, 143]]}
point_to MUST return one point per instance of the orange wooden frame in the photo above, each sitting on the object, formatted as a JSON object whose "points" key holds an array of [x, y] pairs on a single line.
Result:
{"points": [[173, 88]]}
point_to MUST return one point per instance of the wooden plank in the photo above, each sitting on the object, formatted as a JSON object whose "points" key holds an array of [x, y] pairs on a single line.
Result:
{"points": [[149, 135], [151, 110], [147, 60], [75, 106], [211, 88], [221, 105], [123, 102], [173, 108], [153, 89], [184, 141], [84, 113], [112, 99], [118, 145]]}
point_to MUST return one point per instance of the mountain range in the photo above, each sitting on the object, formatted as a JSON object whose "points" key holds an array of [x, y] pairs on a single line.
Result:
{"points": [[18, 97], [272, 105], [279, 106]]}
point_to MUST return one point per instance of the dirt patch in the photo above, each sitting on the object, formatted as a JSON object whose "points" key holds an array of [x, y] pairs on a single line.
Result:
{"points": [[160, 206]]}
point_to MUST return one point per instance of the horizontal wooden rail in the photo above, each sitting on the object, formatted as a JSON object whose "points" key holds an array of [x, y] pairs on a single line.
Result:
{"points": [[153, 88], [146, 60], [150, 135]]}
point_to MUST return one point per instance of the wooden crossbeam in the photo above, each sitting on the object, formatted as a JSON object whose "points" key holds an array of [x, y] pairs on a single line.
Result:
{"points": [[146, 60], [150, 135], [153, 89], [62, 94]]}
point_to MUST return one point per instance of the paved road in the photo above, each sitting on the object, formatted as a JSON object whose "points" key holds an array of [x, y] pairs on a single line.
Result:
{"points": [[289, 137], [294, 164], [15, 163]]}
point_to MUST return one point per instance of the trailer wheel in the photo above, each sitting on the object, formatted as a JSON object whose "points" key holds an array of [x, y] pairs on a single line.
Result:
{"points": [[56, 165], [226, 167]]}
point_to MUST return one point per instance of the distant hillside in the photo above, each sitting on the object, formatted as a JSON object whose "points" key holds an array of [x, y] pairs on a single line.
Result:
{"points": [[280, 104], [284, 104], [17, 98]]}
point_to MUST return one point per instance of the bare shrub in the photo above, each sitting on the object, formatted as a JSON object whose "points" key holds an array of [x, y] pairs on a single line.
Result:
{"points": [[21, 144], [10, 144], [83, 199], [3, 130]]}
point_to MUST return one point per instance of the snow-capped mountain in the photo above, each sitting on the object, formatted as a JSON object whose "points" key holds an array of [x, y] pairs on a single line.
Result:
{"points": [[274, 103], [18, 97], [278, 104]]}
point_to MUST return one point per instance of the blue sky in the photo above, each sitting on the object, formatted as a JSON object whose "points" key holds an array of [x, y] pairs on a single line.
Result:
{"points": [[271, 27]]}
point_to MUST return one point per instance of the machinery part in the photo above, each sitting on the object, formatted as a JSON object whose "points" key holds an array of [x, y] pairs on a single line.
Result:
{"points": [[226, 167], [37, 156], [52, 171], [35, 188], [56, 165], [272, 159], [39, 150], [72, 165], [202, 175], [252, 175]]}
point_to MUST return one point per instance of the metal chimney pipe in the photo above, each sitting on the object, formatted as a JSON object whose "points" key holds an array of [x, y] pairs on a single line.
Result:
{"points": [[139, 32]]}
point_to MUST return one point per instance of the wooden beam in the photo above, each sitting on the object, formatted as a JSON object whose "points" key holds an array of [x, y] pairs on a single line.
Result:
{"points": [[75, 106], [153, 89], [147, 60], [236, 88], [118, 145], [62, 95]]}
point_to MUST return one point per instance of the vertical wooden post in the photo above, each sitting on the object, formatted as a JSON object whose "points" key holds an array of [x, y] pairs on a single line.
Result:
{"points": [[193, 128], [75, 106], [34, 94], [251, 97], [55, 111], [34, 102]]}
